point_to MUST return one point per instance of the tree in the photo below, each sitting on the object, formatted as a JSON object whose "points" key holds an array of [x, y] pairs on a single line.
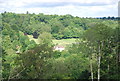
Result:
{"points": [[56, 26], [97, 37], [45, 38], [32, 63]]}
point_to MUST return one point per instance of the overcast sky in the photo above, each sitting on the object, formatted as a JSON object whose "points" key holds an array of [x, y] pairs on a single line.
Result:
{"points": [[81, 8]]}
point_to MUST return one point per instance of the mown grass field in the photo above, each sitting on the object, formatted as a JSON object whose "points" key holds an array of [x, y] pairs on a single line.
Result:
{"points": [[62, 42]]}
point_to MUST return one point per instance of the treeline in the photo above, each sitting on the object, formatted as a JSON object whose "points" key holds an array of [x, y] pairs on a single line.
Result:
{"points": [[95, 55], [109, 18], [104, 18], [61, 27]]}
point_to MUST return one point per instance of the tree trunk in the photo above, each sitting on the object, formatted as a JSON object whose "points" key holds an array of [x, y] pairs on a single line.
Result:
{"points": [[91, 69], [99, 61]]}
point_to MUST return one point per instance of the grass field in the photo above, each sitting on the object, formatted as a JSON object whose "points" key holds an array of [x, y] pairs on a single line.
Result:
{"points": [[62, 42]]}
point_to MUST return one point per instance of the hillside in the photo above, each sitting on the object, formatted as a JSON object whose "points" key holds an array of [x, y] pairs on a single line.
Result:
{"points": [[28, 47]]}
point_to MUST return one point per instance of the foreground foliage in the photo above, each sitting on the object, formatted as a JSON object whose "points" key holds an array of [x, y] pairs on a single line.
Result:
{"points": [[94, 55]]}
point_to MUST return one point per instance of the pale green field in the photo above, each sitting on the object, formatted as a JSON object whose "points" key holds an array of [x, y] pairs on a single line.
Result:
{"points": [[62, 42]]}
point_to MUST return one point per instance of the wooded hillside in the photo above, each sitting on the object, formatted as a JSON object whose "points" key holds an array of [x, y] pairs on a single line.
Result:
{"points": [[95, 55]]}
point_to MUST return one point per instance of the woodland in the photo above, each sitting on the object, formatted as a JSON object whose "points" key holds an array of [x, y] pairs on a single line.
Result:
{"points": [[94, 55]]}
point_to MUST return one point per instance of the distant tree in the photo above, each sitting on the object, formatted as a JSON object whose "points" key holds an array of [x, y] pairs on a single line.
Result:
{"points": [[35, 35], [45, 38], [27, 12]]}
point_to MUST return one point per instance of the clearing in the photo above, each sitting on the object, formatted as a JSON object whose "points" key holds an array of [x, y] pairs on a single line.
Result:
{"points": [[62, 42]]}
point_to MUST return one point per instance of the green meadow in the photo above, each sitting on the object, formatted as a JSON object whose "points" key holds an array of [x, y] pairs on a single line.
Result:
{"points": [[62, 42]]}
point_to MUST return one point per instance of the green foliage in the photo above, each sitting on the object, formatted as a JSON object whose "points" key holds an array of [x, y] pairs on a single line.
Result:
{"points": [[99, 40], [69, 67], [45, 38], [22, 58], [34, 61]]}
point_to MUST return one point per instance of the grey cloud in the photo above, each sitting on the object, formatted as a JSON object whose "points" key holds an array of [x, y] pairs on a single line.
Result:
{"points": [[56, 4]]}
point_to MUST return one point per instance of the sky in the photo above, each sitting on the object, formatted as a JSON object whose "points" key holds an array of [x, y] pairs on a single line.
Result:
{"points": [[81, 8]]}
